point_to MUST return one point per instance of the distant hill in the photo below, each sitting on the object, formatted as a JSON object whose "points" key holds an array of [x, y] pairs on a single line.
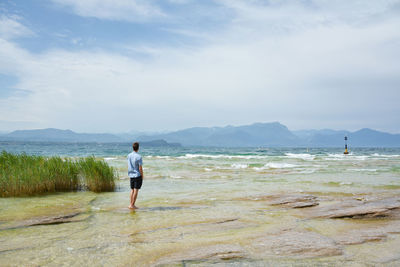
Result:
{"points": [[361, 138], [322, 138], [158, 143], [257, 134], [57, 135], [366, 137]]}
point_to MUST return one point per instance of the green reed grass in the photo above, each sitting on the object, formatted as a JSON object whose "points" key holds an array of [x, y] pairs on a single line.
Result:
{"points": [[98, 175], [26, 175]]}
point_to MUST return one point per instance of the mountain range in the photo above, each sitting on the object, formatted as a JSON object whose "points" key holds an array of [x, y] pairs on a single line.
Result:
{"points": [[68, 136], [275, 134], [272, 134]]}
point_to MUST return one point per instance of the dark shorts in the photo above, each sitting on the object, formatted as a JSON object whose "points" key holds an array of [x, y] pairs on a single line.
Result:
{"points": [[136, 182]]}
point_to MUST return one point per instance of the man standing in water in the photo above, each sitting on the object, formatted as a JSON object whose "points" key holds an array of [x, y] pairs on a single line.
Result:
{"points": [[135, 173]]}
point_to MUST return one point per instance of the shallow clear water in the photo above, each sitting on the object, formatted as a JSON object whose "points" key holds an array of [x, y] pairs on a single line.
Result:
{"points": [[194, 199]]}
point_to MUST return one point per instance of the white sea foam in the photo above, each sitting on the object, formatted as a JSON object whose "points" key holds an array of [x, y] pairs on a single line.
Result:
{"points": [[361, 157], [107, 159], [336, 157], [275, 165], [207, 169], [364, 170], [222, 156], [345, 183], [176, 177], [163, 157], [340, 156], [345, 157], [307, 171], [385, 156], [239, 166], [279, 165], [303, 156], [158, 157]]}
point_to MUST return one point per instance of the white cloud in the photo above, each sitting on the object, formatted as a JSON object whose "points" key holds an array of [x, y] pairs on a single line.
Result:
{"points": [[314, 75], [10, 27], [288, 16], [119, 10]]}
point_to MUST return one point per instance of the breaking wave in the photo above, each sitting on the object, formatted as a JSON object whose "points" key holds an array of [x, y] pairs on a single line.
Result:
{"points": [[275, 165], [222, 156], [302, 156]]}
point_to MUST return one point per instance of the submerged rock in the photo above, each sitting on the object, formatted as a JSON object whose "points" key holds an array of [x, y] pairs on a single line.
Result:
{"points": [[53, 219], [176, 232], [360, 236], [388, 207], [287, 200], [48, 220], [304, 205], [294, 201], [212, 252], [372, 233], [302, 244]]}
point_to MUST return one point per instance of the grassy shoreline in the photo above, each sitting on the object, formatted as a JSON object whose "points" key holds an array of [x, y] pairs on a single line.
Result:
{"points": [[27, 175]]}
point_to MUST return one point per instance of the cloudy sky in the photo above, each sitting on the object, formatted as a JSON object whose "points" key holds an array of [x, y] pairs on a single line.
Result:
{"points": [[155, 65]]}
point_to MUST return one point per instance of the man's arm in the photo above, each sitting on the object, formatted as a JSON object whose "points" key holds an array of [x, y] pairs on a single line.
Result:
{"points": [[141, 170]]}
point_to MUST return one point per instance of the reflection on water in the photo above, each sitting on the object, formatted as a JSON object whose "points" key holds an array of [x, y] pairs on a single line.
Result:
{"points": [[205, 207]]}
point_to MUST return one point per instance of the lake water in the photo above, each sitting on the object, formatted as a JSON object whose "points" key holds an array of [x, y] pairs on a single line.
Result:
{"points": [[211, 206]]}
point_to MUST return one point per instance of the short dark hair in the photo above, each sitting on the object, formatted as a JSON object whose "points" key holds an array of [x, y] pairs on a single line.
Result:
{"points": [[135, 146]]}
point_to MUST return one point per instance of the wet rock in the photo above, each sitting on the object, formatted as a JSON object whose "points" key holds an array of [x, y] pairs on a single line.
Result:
{"points": [[161, 208], [297, 243], [361, 236], [294, 201], [231, 223], [393, 227], [47, 220], [299, 205], [14, 249], [212, 252], [227, 220], [52, 220], [287, 200], [375, 233], [388, 207]]}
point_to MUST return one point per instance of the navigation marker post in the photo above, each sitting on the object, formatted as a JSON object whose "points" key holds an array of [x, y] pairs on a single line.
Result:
{"points": [[345, 146]]}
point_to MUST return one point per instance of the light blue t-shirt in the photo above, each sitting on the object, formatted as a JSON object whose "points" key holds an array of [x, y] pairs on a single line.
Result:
{"points": [[134, 161]]}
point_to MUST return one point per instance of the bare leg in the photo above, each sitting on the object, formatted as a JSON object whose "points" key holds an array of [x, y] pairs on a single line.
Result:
{"points": [[135, 194], [131, 201]]}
